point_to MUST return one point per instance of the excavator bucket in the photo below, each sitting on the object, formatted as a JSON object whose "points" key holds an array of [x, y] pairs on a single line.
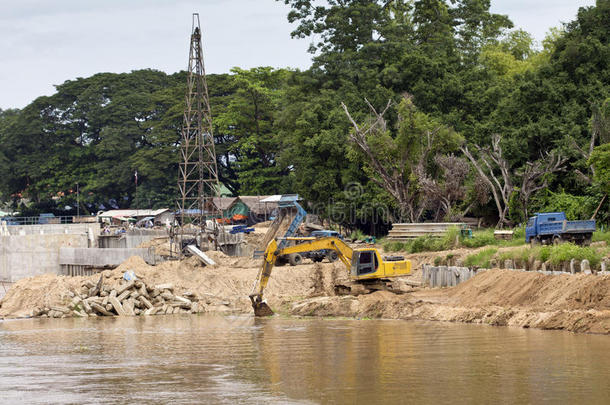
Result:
{"points": [[260, 308]]}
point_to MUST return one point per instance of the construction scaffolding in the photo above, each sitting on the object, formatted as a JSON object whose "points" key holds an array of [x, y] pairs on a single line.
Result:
{"points": [[198, 173]]}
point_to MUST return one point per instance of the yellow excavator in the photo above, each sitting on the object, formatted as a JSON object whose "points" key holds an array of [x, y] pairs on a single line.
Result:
{"points": [[368, 270]]}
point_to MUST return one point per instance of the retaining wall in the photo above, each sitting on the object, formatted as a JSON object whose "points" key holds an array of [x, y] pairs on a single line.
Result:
{"points": [[95, 257], [132, 239], [33, 254], [449, 276], [446, 276]]}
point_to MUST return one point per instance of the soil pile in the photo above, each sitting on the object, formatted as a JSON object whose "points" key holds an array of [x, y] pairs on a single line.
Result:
{"points": [[497, 297], [534, 290], [225, 286], [578, 303], [161, 245]]}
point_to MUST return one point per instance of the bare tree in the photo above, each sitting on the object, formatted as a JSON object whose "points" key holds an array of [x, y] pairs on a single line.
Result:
{"points": [[600, 129], [502, 187], [398, 172], [445, 193], [534, 172]]}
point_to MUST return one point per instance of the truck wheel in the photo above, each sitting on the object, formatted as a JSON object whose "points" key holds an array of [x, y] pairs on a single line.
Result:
{"points": [[295, 259], [332, 256], [557, 240], [534, 242]]}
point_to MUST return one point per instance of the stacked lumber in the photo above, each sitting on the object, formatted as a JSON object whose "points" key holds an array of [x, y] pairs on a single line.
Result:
{"points": [[130, 298], [415, 230]]}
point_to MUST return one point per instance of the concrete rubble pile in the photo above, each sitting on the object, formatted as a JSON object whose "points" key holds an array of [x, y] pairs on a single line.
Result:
{"points": [[131, 298]]}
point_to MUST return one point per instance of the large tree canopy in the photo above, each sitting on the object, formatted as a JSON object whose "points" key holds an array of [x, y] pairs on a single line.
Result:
{"points": [[466, 73]]}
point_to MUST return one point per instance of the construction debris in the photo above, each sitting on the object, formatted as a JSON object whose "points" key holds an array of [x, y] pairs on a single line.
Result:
{"points": [[204, 258], [131, 298]]}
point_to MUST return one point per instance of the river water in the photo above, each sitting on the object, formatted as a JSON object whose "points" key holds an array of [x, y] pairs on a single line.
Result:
{"points": [[214, 359]]}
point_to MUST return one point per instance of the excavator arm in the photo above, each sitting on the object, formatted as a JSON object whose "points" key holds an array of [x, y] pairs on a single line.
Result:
{"points": [[272, 252]]}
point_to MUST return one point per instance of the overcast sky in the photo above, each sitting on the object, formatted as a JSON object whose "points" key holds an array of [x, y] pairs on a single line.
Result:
{"points": [[44, 43]]}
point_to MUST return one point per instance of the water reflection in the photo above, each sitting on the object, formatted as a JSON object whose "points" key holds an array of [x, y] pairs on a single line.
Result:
{"points": [[187, 359]]}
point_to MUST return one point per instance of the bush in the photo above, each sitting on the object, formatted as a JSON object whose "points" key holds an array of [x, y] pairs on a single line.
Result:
{"points": [[567, 251], [480, 259], [357, 235], [519, 233], [427, 244], [451, 239], [392, 246], [520, 256], [601, 236], [484, 237]]}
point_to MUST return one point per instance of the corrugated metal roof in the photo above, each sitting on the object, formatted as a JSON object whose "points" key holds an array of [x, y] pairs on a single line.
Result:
{"points": [[132, 213]]}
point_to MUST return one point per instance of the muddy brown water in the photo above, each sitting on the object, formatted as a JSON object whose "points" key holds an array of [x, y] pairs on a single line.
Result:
{"points": [[214, 359]]}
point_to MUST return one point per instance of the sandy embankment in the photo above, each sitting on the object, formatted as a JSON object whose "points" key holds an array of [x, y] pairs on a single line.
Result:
{"points": [[577, 303]]}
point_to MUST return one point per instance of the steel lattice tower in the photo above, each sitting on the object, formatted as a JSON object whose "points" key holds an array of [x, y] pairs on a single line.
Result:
{"points": [[198, 174]]}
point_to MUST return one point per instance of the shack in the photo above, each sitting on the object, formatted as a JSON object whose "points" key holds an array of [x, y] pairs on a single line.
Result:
{"points": [[161, 216]]}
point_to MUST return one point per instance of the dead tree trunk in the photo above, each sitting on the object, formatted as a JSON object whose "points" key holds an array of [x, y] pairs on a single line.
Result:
{"points": [[393, 175], [534, 172], [501, 187]]}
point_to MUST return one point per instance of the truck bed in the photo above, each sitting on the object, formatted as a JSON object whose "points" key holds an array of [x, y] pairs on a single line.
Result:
{"points": [[579, 226], [561, 227]]}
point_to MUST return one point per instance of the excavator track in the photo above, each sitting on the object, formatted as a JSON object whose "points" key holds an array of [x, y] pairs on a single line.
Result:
{"points": [[368, 286]]}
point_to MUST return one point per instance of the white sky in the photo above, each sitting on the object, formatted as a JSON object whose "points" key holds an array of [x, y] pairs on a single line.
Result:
{"points": [[44, 43]]}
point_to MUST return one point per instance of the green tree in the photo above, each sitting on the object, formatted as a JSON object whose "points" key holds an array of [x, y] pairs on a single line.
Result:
{"points": [[249, 119]]}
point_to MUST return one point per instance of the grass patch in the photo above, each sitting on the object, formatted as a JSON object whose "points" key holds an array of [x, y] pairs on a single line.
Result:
{"points": [[453, 239], [480, 259], [480, 238], [567, 251], [357, 235], [601, 236], [554, 254]]}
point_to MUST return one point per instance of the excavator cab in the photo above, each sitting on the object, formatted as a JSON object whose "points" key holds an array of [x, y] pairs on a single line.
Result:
{"points": [[364, 262]]}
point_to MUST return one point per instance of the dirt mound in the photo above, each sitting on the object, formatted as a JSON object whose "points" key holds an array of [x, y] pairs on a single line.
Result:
{"points": [[44, 290], [226, 285], [577, 303], [496, 297], [264, 224], [161, 245], [509, 288]]}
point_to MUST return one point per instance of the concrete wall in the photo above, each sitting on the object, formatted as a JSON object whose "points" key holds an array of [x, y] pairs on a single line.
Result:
{"points": [[102, 257], [132, 239], [138, 236], [92, 229], [446, 276], [33, 254]]}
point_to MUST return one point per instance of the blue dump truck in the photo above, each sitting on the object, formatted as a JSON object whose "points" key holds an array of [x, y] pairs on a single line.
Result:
{"points": [[553, 227]]}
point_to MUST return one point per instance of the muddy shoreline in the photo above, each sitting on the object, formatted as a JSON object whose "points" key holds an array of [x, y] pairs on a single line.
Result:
{"points": [[575, 303]]}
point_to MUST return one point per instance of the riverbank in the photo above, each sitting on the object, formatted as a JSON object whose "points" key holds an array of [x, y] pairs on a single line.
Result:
{"points": [[576, 303]]}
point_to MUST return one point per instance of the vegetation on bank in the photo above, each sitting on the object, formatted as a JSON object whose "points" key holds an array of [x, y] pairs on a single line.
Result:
{"points": [[453, 239], [525, 257], [480, 121]]}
